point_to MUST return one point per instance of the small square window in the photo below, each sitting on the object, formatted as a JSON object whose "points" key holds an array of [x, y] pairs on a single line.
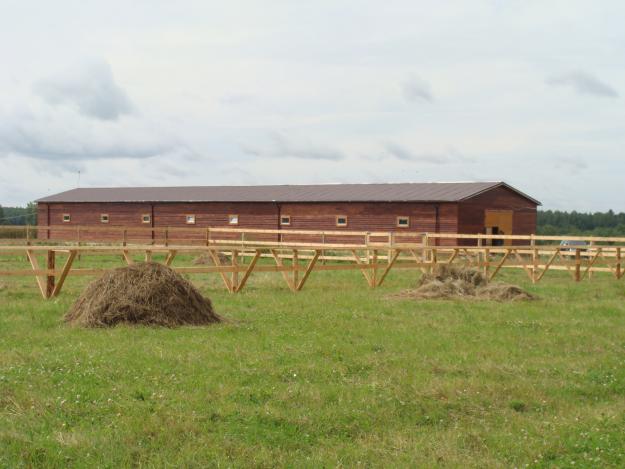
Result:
{"points": [[403, 222], [341, 220], [67, 218], [233, 219], [285, 220], [104, 218], [190, 219], [146, 218]]}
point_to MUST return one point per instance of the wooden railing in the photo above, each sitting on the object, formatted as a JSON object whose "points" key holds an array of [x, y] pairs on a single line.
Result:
{"points": [[376, 255], [192, 235]]}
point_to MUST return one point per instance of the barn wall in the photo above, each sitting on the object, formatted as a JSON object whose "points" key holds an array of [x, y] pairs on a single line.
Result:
{"points": [[304, 216], [464, 217], [260, 216], [362, 216], [263, 216], [471, 212]]}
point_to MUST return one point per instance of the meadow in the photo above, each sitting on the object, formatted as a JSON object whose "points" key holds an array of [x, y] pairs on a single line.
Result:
{"points": [[337, 375]]}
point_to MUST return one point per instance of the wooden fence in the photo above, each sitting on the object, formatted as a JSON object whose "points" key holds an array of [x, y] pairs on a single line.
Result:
{"points": [[375, 256]]}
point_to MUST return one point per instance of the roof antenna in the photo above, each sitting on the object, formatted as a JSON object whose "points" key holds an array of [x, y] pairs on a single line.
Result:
{"points": [[79, 178]]}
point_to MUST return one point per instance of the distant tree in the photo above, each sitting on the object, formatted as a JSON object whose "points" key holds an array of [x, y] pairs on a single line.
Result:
{"points": [[2, 220], [19, 215], [555, 222]]}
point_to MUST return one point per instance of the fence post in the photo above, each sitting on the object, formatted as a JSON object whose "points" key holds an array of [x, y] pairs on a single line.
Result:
{"points": [[235, 273], [534, 258], [591, 244], [578, 264], [167, 236], [50, 277], [78, 242], [374, 271], [618, 263], [486, 262], [295, 268]]}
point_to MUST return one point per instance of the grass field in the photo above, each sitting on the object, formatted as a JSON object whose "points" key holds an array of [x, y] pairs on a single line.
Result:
{"points": [[337, 375]]}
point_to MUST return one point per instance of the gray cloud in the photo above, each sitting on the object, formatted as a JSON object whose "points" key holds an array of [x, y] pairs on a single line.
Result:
{"points": [[404, 154], [572, 164], [583, 83], [71, 136], [79, 119], [279, 146], [237, 99], [90, 88], [417, 89]]}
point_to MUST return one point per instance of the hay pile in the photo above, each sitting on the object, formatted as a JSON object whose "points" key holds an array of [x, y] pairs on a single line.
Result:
{"points": [[145, 293], [453, 282], [206, 259]]}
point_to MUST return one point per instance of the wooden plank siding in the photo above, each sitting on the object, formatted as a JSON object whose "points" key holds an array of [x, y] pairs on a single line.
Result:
{"points": [[472, 211], [363, 216], [446, 217]]}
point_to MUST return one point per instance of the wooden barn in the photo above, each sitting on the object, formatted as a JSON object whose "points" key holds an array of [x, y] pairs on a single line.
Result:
{"points": [[466, 207]]}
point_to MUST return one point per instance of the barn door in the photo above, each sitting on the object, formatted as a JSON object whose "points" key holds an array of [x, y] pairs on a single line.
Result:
{"points": [[499, 222]]}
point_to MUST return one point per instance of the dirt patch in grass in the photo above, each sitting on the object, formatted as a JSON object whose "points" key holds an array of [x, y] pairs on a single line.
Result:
{"points": [[451, 282], [145, 293]]}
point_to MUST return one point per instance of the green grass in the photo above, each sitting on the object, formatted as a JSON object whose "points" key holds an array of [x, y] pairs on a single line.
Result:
{"points": [[336, 375]]}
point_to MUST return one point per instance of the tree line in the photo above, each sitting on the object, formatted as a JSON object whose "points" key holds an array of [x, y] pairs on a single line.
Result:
{"points": [[19, 215], [556, 222], [550, 222]]}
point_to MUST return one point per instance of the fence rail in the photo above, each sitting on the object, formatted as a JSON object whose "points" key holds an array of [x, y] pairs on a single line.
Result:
{"points": [[375, 255]]}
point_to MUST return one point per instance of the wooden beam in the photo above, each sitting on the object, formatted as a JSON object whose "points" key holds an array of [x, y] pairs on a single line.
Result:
{"points": [[363, 267], [170, 257], [285, 275], [127, 258], [223, 274], [248, 271], [66, 268], [35, 265], [591, 262], [388, 267], [453, 256], [308, 270], [518, 256], [499, 264], [547, 265], [50, 279], [295, 264]]}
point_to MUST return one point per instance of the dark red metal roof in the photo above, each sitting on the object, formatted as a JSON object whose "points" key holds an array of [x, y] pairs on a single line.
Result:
{"points": [[391, 192]]}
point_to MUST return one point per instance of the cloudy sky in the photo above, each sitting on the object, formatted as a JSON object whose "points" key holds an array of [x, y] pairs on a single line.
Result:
{"points": [[291, 92]]}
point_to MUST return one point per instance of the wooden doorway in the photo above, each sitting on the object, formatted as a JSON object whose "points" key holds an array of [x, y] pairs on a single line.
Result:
{"points": [[499, 222]]}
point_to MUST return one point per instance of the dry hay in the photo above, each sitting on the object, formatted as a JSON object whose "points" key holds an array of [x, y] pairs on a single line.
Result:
{"points": [[451, 282], [145, 293], [504, 292], [207, 259]]}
